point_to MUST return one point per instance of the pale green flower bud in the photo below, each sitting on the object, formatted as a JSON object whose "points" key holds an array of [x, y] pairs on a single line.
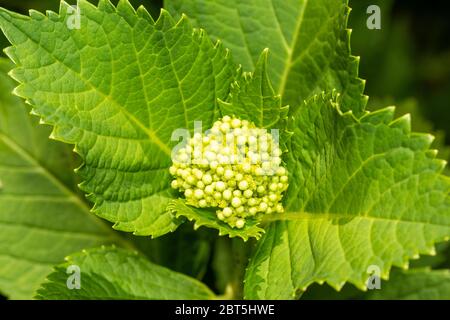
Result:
{"points": [[227, 194], [198, 193], [227, 212], [220, 186], [188, 193], [236, 202], [263, 206], [248, 193], [207, 179], [243, 185], [209, 189], [236, 168]]}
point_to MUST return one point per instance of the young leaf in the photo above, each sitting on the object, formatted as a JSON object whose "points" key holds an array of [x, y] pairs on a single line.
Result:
{"points": [[42, 218], [253, 98], [419, 284], [309, 42], [110, 273], [362, 192], [117, 87], [208, 218]]}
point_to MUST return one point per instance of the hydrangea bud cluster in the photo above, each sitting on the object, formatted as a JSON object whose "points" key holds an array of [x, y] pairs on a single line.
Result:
{"points": [[234, 167]]}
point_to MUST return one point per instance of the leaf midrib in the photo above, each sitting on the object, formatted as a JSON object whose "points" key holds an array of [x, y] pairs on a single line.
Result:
{"points": [[310, 216], [290, 52]]}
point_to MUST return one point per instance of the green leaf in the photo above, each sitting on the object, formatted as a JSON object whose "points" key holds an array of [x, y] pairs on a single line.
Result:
{"points": [[110, 273], [253, 98], [418, 284], [117, 88], [42, 218], [208, 218], [309, 42], [362, 192]]}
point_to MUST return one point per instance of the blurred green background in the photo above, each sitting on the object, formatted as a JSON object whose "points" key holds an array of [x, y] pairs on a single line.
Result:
{"points": [[406, 63]]}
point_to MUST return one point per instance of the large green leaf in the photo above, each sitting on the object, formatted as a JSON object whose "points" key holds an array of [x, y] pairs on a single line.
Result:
{"points": [[419, 284], [110, 273], [42, 218], [308, 41], [362, 192], [117, 88]]}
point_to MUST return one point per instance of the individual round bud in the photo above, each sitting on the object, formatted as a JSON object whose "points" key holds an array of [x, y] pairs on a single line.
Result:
{"points": [[200, 185], [224, 127], [263, 206], [191, 180], [173, 170], [237, 193], [202, 203], [227, 212], [252, 140], [227, 194], [188, 193], [235, 123], [243, 185], [232, 183], [209, 189], [210, 156], [246, 167], [240, 223], [213, 165], [273, 187], [273, 197], [197, 173], [207, 179], [228, 174], [220, 170], [174, 184], [198, 193], [281, 171], [248, 193], [220, 186], [236, 202]]}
